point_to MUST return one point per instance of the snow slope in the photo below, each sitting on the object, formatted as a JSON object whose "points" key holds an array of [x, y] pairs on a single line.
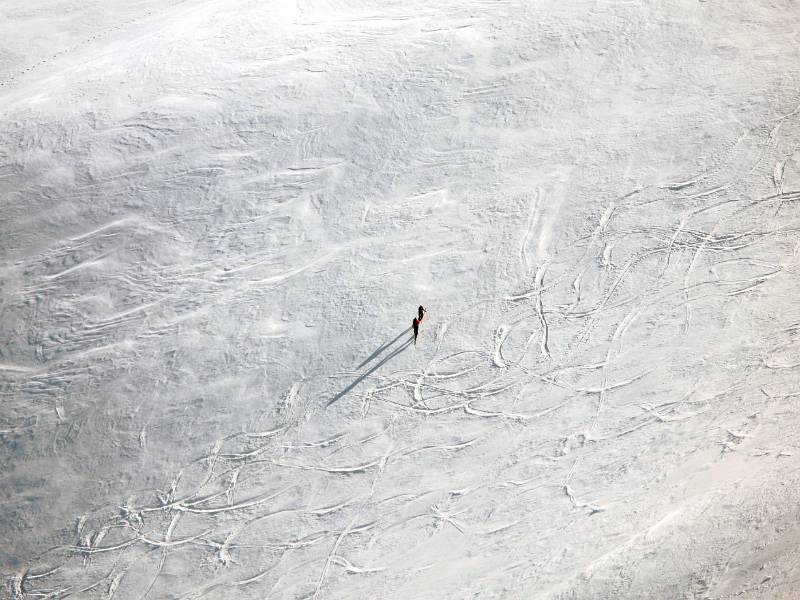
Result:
{"points": [[219, 217]]}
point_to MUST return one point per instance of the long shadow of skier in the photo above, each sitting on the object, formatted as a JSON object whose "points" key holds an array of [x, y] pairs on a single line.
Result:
{"points": [[383, 347], [375, 367]]}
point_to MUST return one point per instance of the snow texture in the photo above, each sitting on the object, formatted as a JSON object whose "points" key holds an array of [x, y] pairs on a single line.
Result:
{"points": [[219, 218]]}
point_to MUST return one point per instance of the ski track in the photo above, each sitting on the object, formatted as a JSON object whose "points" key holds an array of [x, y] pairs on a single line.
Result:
{"points": [[207, 378]]}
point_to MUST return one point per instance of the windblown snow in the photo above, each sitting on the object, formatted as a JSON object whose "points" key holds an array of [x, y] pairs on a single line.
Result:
{"points": [[219, 218]]}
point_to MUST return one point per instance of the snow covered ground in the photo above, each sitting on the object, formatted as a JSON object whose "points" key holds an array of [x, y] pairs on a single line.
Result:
{"points": [[219, 217]]}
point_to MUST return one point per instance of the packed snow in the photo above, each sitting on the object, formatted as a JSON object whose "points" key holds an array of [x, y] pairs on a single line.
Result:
{"points": [[220, 216]]}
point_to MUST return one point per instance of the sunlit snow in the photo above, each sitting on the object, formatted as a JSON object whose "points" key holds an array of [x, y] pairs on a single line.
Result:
{"points": [[219, 218]]}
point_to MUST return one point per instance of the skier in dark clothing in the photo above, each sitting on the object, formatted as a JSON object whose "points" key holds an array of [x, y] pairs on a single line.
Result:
{"points": [[417, 320]]}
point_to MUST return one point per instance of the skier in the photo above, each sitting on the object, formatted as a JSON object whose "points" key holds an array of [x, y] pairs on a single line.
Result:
{"points": [[417, 320]]}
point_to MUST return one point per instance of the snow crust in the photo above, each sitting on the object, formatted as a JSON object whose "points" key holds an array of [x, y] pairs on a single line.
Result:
{"points": [[219, 217]]}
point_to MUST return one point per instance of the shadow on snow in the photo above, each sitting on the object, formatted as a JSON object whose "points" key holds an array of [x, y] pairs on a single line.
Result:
{"points": [[377, 365]]}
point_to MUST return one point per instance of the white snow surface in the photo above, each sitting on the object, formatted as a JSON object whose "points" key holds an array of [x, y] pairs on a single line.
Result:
{"points": [[219, 217]]}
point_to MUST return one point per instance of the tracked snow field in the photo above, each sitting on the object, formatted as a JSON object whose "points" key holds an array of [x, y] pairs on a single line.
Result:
{"points": [[219, 218]]}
